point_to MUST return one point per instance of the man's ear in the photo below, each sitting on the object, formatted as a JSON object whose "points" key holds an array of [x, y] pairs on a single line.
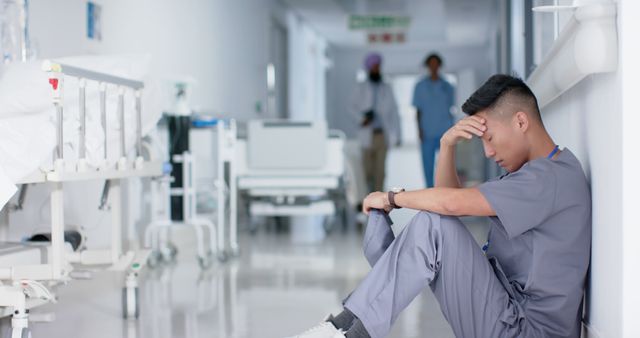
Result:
{"points": [[521, 121]]}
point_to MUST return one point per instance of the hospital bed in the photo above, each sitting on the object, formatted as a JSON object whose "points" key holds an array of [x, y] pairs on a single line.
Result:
{"points": [[289, 168], [87, 144]]}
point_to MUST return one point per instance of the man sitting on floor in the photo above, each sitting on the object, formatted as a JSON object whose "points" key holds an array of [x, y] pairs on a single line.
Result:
{"points": [[528, 280]]}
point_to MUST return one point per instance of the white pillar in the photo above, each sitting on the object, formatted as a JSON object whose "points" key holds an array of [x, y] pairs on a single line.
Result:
{"points": [[628, 27]]}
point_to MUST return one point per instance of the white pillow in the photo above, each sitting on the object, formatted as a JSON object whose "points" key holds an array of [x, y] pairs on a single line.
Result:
{"points": [[131, 66], [24, 89]]}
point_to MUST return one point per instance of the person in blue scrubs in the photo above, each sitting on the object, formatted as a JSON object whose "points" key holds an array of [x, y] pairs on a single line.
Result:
{"points": [[433, 97]]}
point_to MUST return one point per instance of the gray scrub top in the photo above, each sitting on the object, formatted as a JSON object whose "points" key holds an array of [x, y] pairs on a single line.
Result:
{"points": [[540, 241]]}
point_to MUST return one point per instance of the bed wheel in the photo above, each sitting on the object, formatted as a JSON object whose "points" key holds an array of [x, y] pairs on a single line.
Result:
{"points": [[205, 262], [131, 297], [20, 332], [234, 252], [223, 256], [154, 259], [169, 253]]}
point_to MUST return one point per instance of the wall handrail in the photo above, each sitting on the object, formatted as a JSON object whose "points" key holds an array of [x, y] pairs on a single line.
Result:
{"points": [[587, 45]]}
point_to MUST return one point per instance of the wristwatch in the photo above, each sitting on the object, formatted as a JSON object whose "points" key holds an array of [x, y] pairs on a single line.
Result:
{"points": [[392, 194]]}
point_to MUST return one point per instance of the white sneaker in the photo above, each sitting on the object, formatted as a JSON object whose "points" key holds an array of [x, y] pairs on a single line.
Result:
{"points": [[323, 330]]}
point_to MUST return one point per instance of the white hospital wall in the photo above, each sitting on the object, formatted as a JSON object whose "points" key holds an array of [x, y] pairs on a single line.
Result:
{"points": [[307, 64], [597, 119], [630, 54], [222, 45], [587, 120]]}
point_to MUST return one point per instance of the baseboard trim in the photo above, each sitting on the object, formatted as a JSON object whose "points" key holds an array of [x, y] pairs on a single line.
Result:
{"points": [[589, 332]]}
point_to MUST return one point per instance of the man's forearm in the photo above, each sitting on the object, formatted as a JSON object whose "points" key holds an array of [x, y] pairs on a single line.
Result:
{"points": [[446, 173], [446, 201], [433, 200]]}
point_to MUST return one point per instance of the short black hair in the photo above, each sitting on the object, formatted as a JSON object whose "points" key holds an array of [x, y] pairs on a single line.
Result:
{"points": [[433, 56], [497, 87]]}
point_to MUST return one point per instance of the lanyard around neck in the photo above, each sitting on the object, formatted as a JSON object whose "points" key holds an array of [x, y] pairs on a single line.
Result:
{"points": [[553, 152]]}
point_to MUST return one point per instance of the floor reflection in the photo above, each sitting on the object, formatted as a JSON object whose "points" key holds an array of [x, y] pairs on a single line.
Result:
{"points": [[275, 288]]}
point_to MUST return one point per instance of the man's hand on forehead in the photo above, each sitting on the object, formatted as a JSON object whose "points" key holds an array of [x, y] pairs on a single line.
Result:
{"points": [[464, 129]]}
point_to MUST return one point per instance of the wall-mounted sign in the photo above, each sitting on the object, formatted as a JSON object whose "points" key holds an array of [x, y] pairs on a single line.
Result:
{"points": [[359, 22], [94, 21], [386, 37]]}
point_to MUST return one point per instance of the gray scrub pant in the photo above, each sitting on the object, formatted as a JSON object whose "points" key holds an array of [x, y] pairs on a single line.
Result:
{"points": [[436, 251]]}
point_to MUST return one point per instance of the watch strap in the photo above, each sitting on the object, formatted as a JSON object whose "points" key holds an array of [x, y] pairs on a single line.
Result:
{"points": [[391, 195]]}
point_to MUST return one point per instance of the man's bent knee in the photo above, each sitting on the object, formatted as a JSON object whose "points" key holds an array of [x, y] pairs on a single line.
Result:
{"points": [[425, 221]]}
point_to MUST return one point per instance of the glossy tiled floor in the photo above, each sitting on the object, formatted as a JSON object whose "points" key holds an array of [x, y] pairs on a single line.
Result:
{"points": [[275, 288]]}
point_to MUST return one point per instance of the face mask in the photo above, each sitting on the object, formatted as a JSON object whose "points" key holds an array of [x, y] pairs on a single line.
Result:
{"points": [[375, 77]]}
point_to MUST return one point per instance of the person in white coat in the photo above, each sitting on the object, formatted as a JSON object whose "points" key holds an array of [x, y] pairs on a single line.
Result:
{"points": [[376, 112]]}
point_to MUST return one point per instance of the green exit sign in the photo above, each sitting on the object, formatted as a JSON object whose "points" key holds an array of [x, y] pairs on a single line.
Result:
{"points": [[378, 21]]}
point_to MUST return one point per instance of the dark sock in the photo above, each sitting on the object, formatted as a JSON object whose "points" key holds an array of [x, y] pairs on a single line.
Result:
{"points": [[357, 330], [343, 320]]}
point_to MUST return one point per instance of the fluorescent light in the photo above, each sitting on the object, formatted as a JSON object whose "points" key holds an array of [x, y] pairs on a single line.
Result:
{"points": [[271, 76]]}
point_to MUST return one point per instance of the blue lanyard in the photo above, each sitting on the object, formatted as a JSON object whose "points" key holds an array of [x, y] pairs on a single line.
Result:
{"points": [[553, 152]]}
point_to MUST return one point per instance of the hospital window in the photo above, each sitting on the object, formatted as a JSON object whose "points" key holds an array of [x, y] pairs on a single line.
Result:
{"points": [[271, 91], [548, 19]]}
